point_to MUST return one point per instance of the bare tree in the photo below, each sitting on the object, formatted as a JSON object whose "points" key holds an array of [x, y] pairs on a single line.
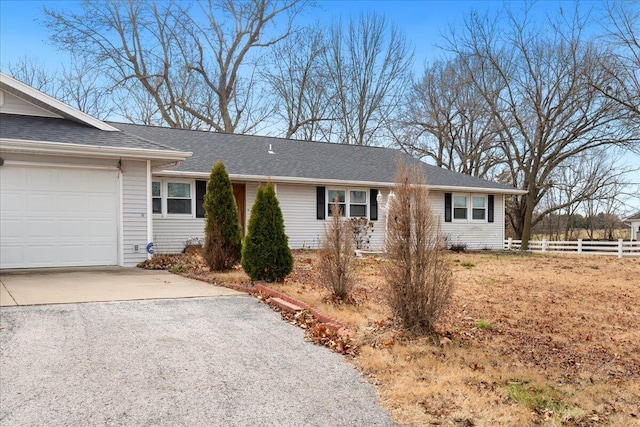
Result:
{"points": [[448, 121], [299, 81], [34, 73], [78, 84], [367, 62], [622, 29], [191, 63], [416, 270], [543, 100]]}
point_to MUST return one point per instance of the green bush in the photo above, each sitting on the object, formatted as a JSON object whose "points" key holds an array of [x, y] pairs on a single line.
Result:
{"points": [[266, 254], [223, 238]]}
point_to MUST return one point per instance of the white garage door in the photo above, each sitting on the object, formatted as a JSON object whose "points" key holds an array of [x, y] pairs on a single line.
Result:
{"points": [[57, 217]]}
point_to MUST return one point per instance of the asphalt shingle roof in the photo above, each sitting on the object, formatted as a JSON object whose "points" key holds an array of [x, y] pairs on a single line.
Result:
{"points": [[248, 155], [32, 128]]}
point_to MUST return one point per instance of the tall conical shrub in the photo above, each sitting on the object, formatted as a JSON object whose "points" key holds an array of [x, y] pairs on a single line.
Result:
{"points": [[223, 238], [266, 254]]}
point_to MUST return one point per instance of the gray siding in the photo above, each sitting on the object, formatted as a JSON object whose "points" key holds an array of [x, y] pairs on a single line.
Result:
{"points": [[134, 211]]}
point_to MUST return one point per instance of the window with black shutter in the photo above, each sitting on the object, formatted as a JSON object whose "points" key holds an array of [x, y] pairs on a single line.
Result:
{"points": [[373, 205], [447, 207], [320, 197], [201, 190], [490, 208]]}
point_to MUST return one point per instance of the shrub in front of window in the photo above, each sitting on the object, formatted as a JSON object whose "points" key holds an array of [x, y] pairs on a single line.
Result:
{"points": [[223, 238], [266, 254], [416, 269], [336, 266]]}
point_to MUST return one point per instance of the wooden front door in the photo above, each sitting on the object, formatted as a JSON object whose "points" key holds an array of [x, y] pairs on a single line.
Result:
{"points": [[239, 193]]}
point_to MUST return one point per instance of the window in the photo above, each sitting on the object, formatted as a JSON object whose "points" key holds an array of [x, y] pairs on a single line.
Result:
{"points": [[357, 203], [178, 198], [478, 208], [459, 207], [156, 197], [341, 198]]}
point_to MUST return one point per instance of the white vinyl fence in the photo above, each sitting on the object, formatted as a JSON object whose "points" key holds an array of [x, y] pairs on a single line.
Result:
{"points": [[620, 248]]}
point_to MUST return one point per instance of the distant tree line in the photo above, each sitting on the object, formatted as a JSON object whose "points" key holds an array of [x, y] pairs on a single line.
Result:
{"points": [[602, 226], [548, 106]]}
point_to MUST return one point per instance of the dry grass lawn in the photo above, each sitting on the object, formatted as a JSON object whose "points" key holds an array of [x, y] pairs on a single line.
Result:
{"points": [[527, 340]]}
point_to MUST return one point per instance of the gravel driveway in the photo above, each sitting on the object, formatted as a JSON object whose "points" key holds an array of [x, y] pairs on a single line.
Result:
{"points": [[223, 361]]}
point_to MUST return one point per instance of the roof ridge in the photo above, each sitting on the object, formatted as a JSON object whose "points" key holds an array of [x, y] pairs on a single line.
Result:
{"points": [[253, 136]]}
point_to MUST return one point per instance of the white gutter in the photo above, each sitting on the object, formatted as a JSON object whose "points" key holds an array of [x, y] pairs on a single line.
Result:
{"points": [[77, 150], [338, 182], [53, 104]]}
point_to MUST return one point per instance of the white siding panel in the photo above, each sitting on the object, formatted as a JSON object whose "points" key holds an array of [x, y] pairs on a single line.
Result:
{"points": [[251, 189], [298, 204], [134, 211], [475, 234], [171, 234], [15, 105]]}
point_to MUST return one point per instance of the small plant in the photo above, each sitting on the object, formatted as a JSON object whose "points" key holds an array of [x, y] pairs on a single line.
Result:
{"points": [[336, 255], [468, 264], [458, 247], [178, 269], [361, 229], [481, 324], [536, 398], [266, 254]]}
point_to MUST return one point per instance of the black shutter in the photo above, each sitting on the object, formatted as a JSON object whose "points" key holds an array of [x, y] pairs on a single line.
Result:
{"points": [[201, 190], [320, 208], [490, 208], [373, 205], [447, 207]]}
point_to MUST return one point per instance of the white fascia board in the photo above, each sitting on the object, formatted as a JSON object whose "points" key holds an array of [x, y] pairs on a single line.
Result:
{"points": [[316, 181], [490, 190], [57, 107], [281, 179], [80, 150]]}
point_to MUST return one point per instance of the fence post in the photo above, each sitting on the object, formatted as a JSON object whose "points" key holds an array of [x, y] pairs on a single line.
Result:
{"points": [[544, 245], [579, 246], [509, 243], [620, 248]]}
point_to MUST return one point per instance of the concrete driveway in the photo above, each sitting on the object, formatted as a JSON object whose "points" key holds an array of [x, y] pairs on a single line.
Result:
{"points": [[222, 361], [58, 286]]}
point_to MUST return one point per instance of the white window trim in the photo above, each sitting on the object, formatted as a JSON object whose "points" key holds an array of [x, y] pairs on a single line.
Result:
{"points": [[164, 193], [486, 208], [453, 207], [347, 201], [469, 218]]}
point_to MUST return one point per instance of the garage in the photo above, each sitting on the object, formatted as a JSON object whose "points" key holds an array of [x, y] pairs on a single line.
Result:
{"points": [[58, 216]]}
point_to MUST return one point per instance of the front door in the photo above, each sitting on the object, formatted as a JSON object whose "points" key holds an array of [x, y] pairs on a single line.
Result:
{"points": [[239, 193]]}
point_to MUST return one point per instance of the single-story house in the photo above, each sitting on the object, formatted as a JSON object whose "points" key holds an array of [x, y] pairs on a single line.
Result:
{"points": [[77, 191], [634, 223]]}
